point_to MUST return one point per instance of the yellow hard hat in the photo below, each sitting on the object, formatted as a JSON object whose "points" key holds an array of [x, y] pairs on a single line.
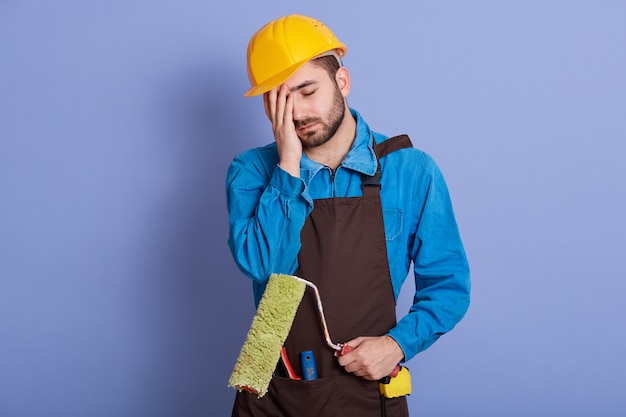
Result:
{"points": [[282, 46]]}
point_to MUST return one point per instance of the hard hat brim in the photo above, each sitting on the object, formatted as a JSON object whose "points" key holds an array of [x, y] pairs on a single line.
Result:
{"points": [[284, 75], [275, 81]]}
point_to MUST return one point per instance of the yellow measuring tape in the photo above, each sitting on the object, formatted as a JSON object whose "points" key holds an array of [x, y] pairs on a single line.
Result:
{"points": [[398, 386]]}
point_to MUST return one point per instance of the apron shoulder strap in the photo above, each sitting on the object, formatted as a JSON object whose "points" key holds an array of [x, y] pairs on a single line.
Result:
{"points": [[371, 184], [392, 144]]}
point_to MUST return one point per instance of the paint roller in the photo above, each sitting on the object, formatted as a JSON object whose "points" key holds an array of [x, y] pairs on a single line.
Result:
{"points": [[270, 327]]}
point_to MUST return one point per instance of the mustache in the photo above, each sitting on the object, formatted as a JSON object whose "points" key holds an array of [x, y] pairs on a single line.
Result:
{"points": [[299, 123]]}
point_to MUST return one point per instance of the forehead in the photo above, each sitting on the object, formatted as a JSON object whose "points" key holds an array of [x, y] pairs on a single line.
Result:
{"points": [[307, 73]]}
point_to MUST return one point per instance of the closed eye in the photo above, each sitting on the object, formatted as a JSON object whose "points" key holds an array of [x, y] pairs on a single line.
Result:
{"points": [[303, 86], [308, 93]]}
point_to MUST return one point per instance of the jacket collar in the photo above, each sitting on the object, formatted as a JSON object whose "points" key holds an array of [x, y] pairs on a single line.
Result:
{"points": [[360, 158]]}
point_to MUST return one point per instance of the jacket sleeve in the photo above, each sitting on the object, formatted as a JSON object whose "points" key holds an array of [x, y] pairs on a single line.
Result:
{"points": [[267, 208], [442, 279]]}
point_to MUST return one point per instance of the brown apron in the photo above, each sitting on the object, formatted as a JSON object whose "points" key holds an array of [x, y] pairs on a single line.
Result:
{"points": [[344, 253]]}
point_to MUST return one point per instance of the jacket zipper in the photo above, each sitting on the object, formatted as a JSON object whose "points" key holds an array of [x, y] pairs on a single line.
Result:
{"points": [[333, 172]]}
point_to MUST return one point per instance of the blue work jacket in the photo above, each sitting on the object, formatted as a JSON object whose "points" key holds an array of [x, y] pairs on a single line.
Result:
{"points": [[267, 209]]}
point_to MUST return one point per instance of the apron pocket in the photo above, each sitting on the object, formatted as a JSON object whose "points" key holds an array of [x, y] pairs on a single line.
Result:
{"points": [[335, 396]]}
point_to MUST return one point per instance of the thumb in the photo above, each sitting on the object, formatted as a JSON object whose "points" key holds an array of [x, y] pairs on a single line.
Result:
{"points": [[350, 345]]}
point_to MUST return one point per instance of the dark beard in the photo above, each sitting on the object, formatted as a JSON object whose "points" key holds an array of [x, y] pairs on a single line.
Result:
{"points": [[329, 128]]}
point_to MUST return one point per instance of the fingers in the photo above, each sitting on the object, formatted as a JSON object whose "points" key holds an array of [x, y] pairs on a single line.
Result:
{"points": [[371, 357], [355, 343], [279, 107], [284, 108], [349, 359], [288, 112]]}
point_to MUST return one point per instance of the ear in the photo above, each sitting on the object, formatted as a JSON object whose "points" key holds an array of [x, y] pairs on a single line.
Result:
{"points": [[343, 81]]}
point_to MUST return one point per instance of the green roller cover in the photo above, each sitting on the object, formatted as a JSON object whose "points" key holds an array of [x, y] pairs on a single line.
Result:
{"points": [[269, 329]]}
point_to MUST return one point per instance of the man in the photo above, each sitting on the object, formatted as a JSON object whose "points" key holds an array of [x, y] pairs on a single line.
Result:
{"points": [[350, 209]]}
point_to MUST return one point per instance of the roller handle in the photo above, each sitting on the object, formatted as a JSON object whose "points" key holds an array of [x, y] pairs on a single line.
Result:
{"points": [[345, 348], [290, 371]]}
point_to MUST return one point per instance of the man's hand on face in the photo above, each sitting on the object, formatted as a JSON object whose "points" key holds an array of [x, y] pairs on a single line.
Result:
{"points": [[279, 109]]}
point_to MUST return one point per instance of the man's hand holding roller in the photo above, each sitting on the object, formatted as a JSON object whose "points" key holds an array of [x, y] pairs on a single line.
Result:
{"points": [[371, 358]]}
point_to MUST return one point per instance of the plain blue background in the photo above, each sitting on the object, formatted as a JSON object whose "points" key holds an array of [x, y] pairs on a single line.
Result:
{"points": [[118, 296]]}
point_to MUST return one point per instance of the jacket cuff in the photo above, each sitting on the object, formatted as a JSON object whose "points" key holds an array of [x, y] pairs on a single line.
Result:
{"points": [[286, 183], [292, 187]]}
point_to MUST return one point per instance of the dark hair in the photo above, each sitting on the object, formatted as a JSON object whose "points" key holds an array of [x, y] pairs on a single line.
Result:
{"points": [[328, 62]]}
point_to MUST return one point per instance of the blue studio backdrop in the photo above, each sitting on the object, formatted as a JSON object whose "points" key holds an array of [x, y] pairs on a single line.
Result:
{"points": [[118, 295]]}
